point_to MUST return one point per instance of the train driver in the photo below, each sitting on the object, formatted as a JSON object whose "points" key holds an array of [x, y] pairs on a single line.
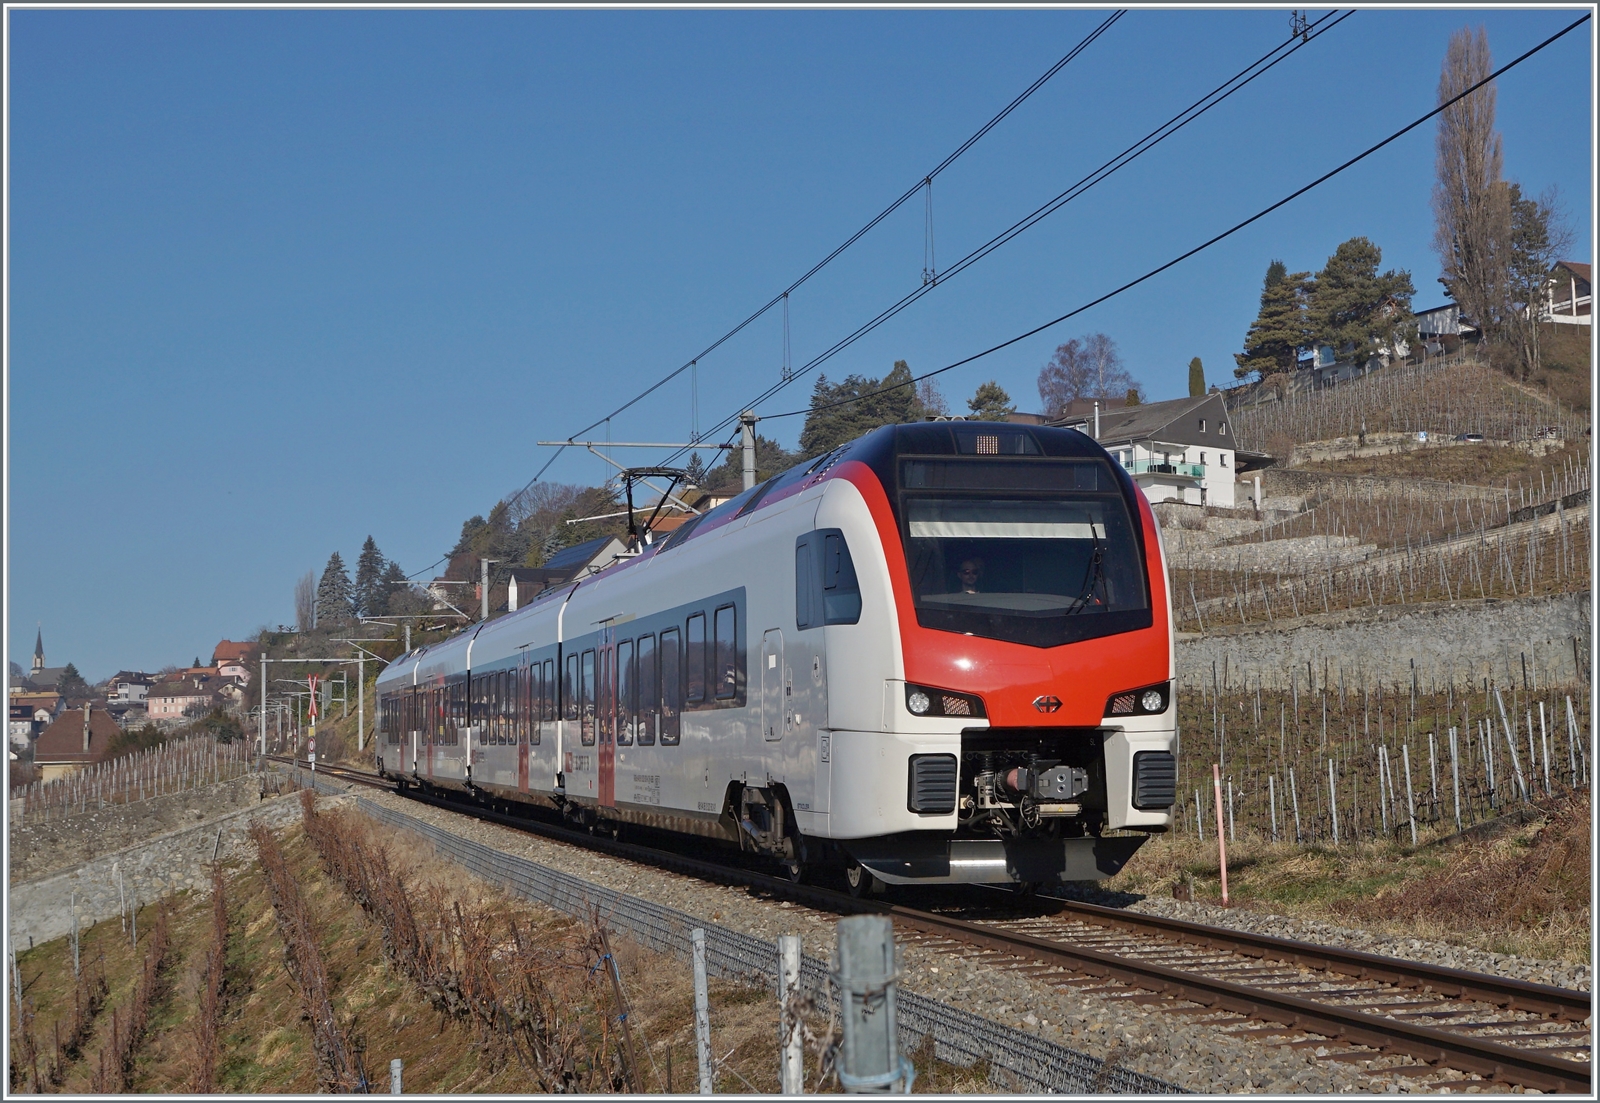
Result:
{"points": [[969, 574]]}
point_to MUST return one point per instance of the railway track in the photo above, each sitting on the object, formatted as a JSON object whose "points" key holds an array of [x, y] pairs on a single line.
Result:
{"points": [[1345, 1005]]}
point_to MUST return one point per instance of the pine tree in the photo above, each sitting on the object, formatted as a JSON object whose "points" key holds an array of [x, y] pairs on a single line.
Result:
{"points": [[1197, 378], [333, 593], [991, 403], [369, 569], [696, 470], [841, 412], [1280, 330], [390, 585], [1355, 309], [1134, 397], [72, 684]]}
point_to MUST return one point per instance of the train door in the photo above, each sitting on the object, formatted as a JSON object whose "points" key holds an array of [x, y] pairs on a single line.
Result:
{"points": [[527, 716], [606, 715], [774, 686]]}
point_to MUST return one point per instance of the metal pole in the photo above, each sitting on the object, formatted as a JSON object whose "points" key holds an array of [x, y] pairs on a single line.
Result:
{"points": [[1455, 775], [361, 702], [408, 637], [396, 1068], [264, 703], [1222, 842], [702, 1009], [747, 441], [870, 1061], [1411, 804], [791, 1060], [483, 588]]}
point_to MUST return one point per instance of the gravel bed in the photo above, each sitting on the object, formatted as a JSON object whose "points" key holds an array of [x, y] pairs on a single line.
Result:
{"points": [[1563, 974], [1184, 1049]]}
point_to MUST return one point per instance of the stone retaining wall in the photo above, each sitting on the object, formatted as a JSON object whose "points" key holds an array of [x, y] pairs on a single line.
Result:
{"points": [[41, 847], [1464, 641], [1289, 482], [42, 909]]}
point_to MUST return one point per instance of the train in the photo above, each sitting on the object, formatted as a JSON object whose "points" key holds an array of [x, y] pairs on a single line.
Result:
{"points": [[941, 653]]}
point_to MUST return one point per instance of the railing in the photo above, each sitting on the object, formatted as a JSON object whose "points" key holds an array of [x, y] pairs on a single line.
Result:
{"points": [[1149, 467]]}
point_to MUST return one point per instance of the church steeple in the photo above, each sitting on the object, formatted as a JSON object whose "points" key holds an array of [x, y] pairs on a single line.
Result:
{"points": [[38, 650]]}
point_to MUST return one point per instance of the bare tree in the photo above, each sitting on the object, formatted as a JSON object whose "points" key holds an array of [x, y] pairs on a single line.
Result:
{"points": [[932, 398], [1539, 237], [1471, 204], [1086, 367], [305, 600]]}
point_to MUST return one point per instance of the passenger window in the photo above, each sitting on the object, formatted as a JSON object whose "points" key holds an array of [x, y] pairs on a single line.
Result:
{"points": [[549, 689], [586, 699], [625, 692], [695, 660], [649, 692], [569, 690], [727, 669], [671, 688], [804, 583]]}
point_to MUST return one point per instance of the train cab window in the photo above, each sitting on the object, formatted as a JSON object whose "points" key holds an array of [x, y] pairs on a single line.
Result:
{"points": [[648, 691], [695, 659], [671, 687], [569, 690], [626, 707], [725, 634], [586, 686], [825, 587]]}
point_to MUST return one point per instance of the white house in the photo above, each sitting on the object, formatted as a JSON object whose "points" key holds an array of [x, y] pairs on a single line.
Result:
{"points": [[1181, 450]]}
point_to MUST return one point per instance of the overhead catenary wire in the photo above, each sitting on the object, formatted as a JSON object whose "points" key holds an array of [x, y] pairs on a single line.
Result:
{"points": [[922, 181], [1203, 245], [1182, 119]]}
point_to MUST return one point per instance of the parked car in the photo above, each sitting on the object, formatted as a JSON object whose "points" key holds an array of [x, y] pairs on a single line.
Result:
{"points": [[1550, 432], [1470, 438]]}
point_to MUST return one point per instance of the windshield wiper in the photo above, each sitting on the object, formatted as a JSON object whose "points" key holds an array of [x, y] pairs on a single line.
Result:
{"points": [[1092, 576]]}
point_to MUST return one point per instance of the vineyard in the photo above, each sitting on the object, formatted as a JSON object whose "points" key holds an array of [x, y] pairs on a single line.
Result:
{"points": [[193, 762]]}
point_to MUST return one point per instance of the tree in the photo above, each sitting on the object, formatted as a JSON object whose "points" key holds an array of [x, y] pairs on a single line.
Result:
{"points": [[932, 399], [1134, 397], [771, 458], [1354, 308], [1471, 206], [1280, 330], [696, 470], [841, 412], [1197, 378], [72, 684], [333, 593], [305, 601], [991, 403], [1086, 367], [1539, 237], [369, 569]]}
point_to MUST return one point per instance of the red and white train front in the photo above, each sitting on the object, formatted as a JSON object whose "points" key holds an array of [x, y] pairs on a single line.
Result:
{"points": [[941, 653]]}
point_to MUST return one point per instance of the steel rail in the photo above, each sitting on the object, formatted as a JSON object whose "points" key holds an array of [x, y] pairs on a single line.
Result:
{"points": [[1438, 1046]]}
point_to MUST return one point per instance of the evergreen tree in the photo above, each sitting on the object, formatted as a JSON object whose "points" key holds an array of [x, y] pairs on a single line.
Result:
{"points": [[696, 470], [1280, 330], [1197, 378], [771, 458], [369, 569], [392, 591], [1354, 308], [333, 593], [1134, 397], [991, 403], [841, 412], [72, 684]]}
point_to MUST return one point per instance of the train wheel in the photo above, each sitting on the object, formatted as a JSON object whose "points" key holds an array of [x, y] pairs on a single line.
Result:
{"points": [[861, 881], [795, 871], [1025, 890]]}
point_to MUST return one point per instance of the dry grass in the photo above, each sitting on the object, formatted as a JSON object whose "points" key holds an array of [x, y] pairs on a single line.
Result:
{"points": [[1473, 464], [1522, 891]]}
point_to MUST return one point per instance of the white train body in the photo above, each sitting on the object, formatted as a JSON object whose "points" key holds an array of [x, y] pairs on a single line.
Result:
{"points": [[766, 698]]}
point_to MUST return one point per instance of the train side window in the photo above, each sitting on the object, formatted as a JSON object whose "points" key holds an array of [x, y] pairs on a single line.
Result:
{"points": [[695, 659], [671, 687], [606, 700], [586, 699], [549, 689], [508, 707], [841, 593], [725, 634], [569, 690], [648, 691], [436, 713], [528, 703], [491, 714], [804, 582], [625, 693]]}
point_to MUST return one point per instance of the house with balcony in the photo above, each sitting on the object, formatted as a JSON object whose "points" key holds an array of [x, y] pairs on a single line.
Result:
{"points": [[1182, 450], [1569, 296]]}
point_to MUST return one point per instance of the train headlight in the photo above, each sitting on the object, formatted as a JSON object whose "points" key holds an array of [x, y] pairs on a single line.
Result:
{"points": [[923, 701], [1144, 701]]}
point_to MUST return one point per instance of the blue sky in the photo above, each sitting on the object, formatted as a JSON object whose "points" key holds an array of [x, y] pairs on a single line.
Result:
{"points": [[281, 279]]}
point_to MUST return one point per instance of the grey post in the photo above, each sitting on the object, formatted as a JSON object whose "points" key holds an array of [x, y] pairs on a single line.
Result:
{"points": [[702, 1009], [263, 700], [361, 701], [1455, 775], [747, 440], [1511, 745], [867, 976], [74, 905], [396, 1068], [1294, 797], [1411, 804], [791, 1053], [1333, 805], [1272, 803]]}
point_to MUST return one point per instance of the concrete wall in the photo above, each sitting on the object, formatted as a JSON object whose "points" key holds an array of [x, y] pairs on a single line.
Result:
{"points": [[1469, 640], [42, 909]]}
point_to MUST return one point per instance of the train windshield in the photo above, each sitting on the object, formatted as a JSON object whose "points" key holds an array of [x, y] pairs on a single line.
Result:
{"points": [[1041, 552]]}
